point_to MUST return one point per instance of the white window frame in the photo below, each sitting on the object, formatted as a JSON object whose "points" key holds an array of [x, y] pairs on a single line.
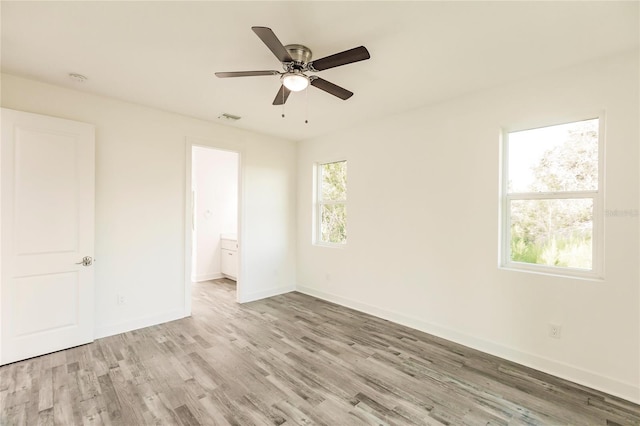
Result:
{"points": [[597, 264], [319, 202]]}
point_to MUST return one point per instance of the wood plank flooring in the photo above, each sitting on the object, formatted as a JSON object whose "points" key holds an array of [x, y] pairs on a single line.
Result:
{"points": [[289, 360]]}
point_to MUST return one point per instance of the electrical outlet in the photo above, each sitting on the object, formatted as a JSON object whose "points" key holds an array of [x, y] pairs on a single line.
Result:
{"points": [[555, 331], [121, 299]]}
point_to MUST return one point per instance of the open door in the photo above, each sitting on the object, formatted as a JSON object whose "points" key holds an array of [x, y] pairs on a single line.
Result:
{"points": [[47, 235]]}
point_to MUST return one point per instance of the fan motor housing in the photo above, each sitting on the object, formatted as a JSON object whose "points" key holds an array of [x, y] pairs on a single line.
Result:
{"points": [[299, 53]]}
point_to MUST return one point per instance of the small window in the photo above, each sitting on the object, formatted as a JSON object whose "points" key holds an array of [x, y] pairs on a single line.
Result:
{"points": [[331, 203], [552, 192]]}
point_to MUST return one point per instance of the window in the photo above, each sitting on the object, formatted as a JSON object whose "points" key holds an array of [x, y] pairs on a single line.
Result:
{"points": [[552, 199], [331, 203]]}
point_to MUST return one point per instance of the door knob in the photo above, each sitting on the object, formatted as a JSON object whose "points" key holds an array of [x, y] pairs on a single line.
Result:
{"points": [[86, 261]]}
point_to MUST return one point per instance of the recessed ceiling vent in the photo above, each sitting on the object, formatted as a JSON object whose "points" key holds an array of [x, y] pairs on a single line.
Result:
{"points": [[77, 78], [229, 117]]}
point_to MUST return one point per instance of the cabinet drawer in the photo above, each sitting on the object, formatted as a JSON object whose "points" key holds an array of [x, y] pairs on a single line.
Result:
{"points": [[229, 263], [229, 244]]}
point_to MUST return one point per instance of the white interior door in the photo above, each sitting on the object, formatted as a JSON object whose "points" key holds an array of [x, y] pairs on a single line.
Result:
{"points": [[47, 228]]}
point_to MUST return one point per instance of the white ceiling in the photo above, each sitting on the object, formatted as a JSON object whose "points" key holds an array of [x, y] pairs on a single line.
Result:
{"points": [[164, 54]]}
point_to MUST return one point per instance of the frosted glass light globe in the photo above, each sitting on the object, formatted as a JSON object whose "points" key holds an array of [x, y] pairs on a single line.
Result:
{"points": [[295, 82]]}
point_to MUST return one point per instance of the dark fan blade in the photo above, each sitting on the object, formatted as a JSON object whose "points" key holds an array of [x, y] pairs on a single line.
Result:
{"points": [[245, 73], [269, 38], [329, 87], [282, 96], [343, 58]]}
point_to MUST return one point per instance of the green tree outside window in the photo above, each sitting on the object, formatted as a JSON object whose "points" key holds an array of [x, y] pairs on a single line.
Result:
{"points": [[332, 202]]}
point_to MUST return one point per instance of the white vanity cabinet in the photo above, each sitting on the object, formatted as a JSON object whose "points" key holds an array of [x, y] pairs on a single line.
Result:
{"points": [[229, 258]]}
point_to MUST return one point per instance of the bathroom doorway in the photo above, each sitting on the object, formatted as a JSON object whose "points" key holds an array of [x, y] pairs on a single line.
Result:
{"points": [[212, 246]]}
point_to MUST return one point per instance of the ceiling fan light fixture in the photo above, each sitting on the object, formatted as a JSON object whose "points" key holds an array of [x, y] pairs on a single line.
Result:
{"points": [[296, 60], [295, 81]]}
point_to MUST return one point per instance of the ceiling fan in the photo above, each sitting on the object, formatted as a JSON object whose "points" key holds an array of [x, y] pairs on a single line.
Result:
{"points": [[296, 62]]}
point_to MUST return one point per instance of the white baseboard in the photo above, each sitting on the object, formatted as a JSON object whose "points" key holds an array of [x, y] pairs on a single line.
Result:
{"points": [[266, 293], [207, 277], [137, 323], [626, 391]]}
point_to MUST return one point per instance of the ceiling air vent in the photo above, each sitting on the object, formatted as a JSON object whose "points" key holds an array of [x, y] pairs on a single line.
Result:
{"points": [[77, 78], [229, 117]]}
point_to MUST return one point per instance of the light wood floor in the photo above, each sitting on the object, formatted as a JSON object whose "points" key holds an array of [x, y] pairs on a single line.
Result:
{"points": [[291, 359]]}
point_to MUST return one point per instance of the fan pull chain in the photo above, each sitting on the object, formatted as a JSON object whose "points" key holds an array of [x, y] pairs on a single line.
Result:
{"points": [[282, 101], [306, 107]]}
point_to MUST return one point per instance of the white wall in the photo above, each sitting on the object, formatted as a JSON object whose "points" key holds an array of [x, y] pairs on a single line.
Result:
{"points": [[140, 202], [423, 220], [215, 180], [423, 228]]}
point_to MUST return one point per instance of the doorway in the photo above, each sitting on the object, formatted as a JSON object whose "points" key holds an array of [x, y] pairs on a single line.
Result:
{"points": [[212, 245]]}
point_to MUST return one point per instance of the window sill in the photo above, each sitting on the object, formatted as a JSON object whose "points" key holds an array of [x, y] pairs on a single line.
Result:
{"points": [[330, 245], [574, 274]]}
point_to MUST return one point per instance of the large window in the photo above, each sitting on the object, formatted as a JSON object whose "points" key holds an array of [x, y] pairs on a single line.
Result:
{"points": [[331, 203], [552, 199]]}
